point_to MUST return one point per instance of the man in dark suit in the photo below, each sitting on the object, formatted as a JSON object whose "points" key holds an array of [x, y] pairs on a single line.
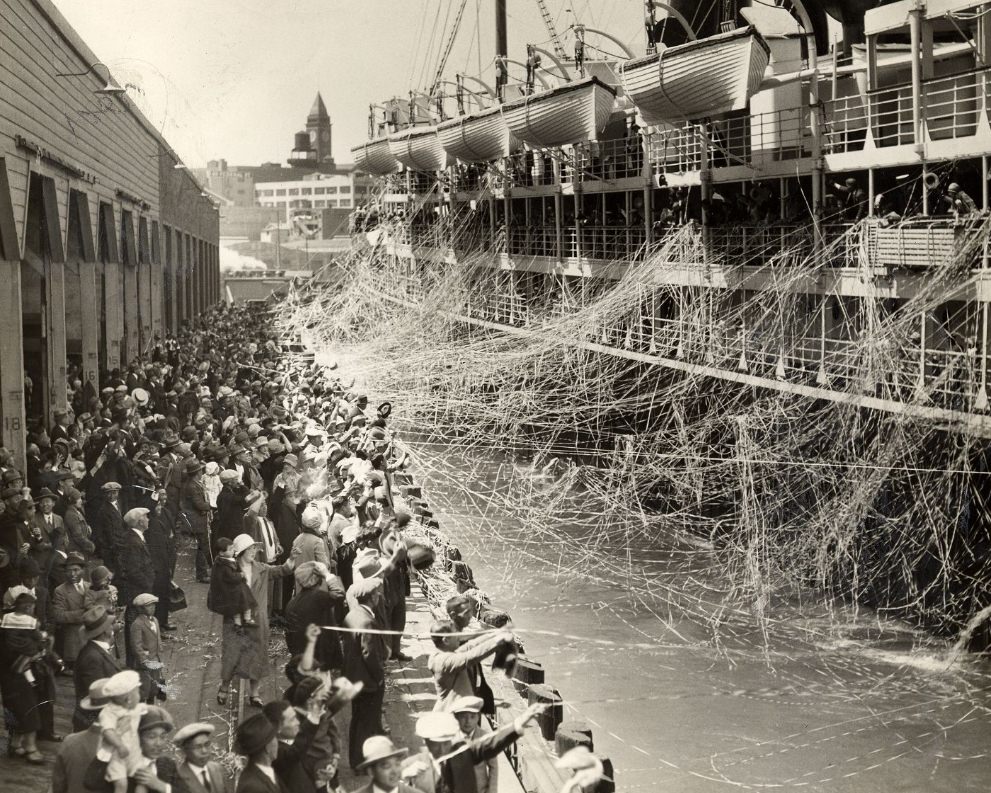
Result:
{"points": [[107, 521], [47, 540], [196, 507], [257, 739], [196, 769], [78, 750], [95, 661], [161, 546], [137, 571], [68, 607], [293, 764], [364, 662], [60, 429]]}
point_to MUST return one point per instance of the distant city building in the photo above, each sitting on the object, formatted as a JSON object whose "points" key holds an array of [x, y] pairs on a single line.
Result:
{"points": [[315, 191], [255, 196]]}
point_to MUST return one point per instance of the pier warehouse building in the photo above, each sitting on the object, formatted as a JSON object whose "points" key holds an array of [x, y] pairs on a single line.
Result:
{"points": [[105, 238]]}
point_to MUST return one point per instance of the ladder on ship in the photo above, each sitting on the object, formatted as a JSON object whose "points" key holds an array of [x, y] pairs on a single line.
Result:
{"points": [[552, 30]]}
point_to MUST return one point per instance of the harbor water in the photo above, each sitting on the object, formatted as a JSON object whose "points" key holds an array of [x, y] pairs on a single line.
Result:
{"points": [[687, 691], [836, 701]]}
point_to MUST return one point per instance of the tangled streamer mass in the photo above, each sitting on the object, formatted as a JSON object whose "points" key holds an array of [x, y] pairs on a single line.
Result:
{"points": [[762, 497]]}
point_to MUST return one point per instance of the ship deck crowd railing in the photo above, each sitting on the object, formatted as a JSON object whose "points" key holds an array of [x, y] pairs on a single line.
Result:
{"points": [[912, 243], [605, 243], [604, 161], [740, 245], [944, 376]]}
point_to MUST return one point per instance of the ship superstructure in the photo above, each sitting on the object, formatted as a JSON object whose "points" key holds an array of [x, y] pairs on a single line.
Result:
{"points": [[784, 200], [766, 151]]}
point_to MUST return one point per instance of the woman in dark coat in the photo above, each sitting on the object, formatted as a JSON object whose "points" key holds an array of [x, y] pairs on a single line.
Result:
{"points": [[232, 503], [161, 546], [319, 600], [25, 678]]}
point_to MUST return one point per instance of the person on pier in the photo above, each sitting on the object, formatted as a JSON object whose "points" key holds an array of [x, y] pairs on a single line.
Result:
{"points": [[200, 773], [447, 763]]}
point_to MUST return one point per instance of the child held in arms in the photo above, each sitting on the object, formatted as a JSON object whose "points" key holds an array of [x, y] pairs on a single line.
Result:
{"points": [[230, 595], [119, 720]]}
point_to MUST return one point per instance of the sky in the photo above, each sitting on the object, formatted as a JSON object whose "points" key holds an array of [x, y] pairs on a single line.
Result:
{"points": [[235, 79]]}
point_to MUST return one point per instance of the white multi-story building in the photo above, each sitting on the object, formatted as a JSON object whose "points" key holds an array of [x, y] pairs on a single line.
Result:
{"points": [[315, 191]]}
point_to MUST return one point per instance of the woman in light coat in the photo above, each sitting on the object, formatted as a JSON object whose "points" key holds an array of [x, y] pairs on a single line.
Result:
{"points": [[244, 648]]}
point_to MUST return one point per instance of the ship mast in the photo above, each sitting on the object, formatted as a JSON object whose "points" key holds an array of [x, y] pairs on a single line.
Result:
{"points": [[502, 48]]}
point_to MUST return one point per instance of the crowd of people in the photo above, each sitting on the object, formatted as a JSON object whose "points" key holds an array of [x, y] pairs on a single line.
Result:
{"points": [[276, 478]]}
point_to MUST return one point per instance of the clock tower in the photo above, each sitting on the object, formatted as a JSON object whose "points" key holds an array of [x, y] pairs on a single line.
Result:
{"points": [[318, 127]]}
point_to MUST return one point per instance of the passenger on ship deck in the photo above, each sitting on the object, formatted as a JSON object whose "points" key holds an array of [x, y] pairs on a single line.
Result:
{"points": [[853, 199], [959, 202]]}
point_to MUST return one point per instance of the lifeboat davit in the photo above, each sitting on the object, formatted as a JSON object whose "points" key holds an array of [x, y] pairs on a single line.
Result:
{"points": [[705, 77], [419, 148], [570, 113], [481, 136], [373, 157]]}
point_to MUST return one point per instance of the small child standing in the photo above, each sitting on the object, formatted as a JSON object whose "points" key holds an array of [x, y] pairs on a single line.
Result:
{"points": [[145, 639], [119, 720], [230, 595]]}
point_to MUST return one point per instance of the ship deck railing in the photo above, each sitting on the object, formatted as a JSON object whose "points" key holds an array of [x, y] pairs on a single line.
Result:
{"points": [[953, 107], [945, 376], [606, 161], [923, 242]]}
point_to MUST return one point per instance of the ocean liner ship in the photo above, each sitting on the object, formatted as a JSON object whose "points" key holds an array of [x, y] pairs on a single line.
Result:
{"points": [[797, 192]]}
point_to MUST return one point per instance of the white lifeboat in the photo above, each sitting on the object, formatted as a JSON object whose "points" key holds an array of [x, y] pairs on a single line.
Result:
{"points": [[419, 148], [481, 136], [570, 113], [373, 157], [705, 77]]}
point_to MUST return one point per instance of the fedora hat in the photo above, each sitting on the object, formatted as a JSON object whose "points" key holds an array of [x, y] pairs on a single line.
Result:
{"points": [[192, 466], [376, 748], [253, 734], [75, 558], [97, 696], [95, 622], [46, 493], [367, 563]]}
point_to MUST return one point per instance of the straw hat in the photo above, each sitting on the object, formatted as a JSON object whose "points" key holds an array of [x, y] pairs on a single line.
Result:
{"points": [[97, 696], [376, 748]]}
